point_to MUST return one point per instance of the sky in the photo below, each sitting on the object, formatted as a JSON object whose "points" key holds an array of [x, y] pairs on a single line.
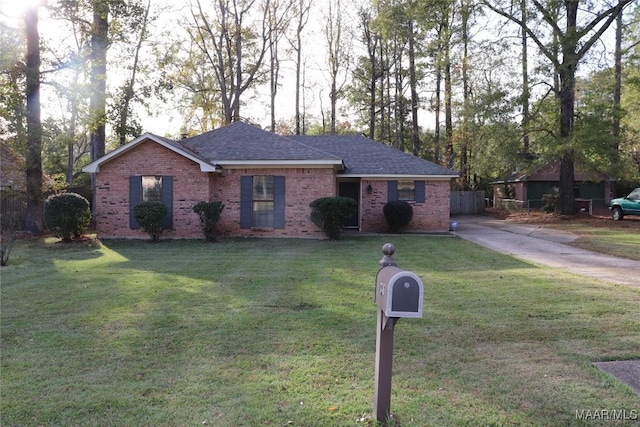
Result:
{"points": [[168, 121]]}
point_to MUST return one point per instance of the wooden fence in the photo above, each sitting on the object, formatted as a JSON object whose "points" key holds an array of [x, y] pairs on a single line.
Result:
{"points": [[12, 206], [467, 202]]}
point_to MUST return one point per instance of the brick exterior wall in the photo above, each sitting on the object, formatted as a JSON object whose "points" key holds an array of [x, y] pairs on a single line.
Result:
{"points": [[430, 216], [149, 158], [302, 186], [190, 186]]}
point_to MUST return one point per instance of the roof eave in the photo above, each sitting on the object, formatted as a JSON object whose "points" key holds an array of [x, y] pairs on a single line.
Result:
{"points": [[398, 176], [335, 164]]}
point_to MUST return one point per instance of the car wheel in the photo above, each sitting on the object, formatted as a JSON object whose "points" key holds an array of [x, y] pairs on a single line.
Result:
{"points": [[616, 213]]}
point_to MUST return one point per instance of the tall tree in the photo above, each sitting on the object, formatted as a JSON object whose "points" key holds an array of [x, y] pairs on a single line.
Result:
{"points": [[34, 126], [98, 100], [278, 18], [526, 95], [413, 85], [338, 48], [574, 41], [301, 16], [370, 72], [139, 21], [234, 48]]}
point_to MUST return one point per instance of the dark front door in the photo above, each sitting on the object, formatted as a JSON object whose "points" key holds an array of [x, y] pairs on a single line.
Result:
{"points": [[352, 190]]}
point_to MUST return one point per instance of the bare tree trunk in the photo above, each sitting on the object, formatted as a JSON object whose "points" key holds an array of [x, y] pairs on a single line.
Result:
{"points": [[371, 41], [448, 114], [99, 44], [128, 90], [437, 106], [413, 83], [33, 218], [567, 71], [617, 93], [525, 80], [302, 14], [97, 103], [466, 94], [338, 51]]}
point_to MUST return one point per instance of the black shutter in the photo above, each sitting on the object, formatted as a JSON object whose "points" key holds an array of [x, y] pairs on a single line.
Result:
{"points": [[392, 191], [246, 196], [278, 202], [420, 193], [167, 199], [135, 196]]}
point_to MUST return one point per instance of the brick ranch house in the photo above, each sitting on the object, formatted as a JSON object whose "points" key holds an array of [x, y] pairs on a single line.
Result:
{"points": [[265, 181]]}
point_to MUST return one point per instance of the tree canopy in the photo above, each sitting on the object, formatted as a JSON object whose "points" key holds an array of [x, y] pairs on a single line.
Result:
{"points": [[485, 87]]}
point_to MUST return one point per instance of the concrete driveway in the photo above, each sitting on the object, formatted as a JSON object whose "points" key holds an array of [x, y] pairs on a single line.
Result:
{"points": [[540, 245]]}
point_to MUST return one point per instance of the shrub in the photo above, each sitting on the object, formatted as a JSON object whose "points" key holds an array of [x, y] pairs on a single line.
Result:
{"points": [[209, 213], [330, 213], [150, 216], [10, 224], [398, 213], [67, 215]]}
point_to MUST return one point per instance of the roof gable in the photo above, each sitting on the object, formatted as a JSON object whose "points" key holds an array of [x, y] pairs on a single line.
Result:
{"points": [[94, 166]]}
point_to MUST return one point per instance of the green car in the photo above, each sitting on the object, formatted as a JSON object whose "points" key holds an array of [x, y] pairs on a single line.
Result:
{"points": [[622, 206]]}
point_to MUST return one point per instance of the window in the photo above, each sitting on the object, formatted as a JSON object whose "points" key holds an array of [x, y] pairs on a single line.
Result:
{"points": [[151, 188], [406, 190], [262, 201]]}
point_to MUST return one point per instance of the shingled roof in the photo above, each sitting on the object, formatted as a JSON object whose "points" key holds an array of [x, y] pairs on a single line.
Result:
{"points": [[240, 144], [364, 157], [240, 141]]}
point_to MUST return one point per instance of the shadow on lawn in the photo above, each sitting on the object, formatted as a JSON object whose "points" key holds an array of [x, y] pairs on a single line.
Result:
{"points": [[266, 324]]}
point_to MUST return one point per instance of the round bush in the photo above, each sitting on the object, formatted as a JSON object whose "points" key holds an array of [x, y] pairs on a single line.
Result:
{"points": [[150, 216], [67, 215], [398, 213], [330, 213], [209, 213]]}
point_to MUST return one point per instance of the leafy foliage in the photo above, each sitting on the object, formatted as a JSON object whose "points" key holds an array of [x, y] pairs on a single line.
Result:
{"points": [[150, 216], [67, 215], [398, 213], [209, 213], [330, 213]]}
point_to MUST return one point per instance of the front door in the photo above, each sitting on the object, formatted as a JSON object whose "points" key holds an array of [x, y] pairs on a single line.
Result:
{"points": [[351, 189]]}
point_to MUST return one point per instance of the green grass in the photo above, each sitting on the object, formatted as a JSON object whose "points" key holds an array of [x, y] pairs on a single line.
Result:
{"points": [[618, 241], [267, 332]]}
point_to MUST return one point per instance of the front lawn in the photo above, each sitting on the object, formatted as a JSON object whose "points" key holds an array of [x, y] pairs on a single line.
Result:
{"points": [[282, 332]]}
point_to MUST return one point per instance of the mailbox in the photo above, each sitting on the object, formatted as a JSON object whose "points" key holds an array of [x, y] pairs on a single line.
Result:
{"points": [[399, 293]]}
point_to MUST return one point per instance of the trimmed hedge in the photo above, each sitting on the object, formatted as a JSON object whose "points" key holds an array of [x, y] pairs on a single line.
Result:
{"points": [[67, 215], [209, 213], [150, 216], [398, 213], [330, 213]]}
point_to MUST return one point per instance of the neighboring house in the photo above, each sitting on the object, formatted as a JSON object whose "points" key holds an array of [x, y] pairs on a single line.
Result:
{"points": [[265, 181], [532, 185], [13, 175]]}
